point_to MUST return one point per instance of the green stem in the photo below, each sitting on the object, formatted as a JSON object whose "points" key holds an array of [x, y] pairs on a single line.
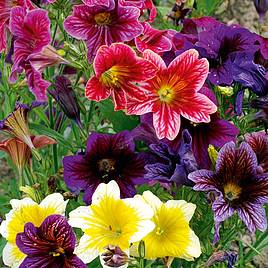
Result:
{"points": [[55, 157]]}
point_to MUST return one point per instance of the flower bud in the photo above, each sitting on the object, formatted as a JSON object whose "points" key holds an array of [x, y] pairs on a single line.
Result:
{"points": [[114, 256]]}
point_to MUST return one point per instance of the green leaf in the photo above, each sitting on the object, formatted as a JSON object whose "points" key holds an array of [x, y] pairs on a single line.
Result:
{"points": [[119, 119], [51, 133]]}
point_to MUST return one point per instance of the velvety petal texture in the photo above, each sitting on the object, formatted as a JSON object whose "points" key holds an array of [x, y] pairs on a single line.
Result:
{"points": [[108, 157], [50, 245]]}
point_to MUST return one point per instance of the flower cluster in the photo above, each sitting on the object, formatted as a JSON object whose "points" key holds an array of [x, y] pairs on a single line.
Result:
{"points": [[157, 137]]}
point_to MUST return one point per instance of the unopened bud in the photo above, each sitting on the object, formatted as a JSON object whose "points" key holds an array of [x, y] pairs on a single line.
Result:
{"points": [[114, 256]]}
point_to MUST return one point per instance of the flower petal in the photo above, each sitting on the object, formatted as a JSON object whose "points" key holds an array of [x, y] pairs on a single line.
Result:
{"points": [[187, 208], [155, 59], [222, 210], [204, 180], [54, 202]]}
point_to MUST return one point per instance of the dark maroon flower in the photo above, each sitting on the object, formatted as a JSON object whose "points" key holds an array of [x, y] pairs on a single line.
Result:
{"points": [[240, 188], [108, 157], [50, 245], [259, 143], [172, 166], [66, 98]]}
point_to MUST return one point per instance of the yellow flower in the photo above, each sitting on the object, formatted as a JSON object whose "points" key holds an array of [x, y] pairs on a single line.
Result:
{"points": [[23, 211], [110, 221], [172, 235]]}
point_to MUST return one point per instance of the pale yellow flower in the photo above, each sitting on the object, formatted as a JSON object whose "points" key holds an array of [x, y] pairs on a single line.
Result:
{"points": [[110, 221]]}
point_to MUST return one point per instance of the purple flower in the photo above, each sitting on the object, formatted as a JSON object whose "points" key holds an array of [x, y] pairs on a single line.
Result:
{"points": [[219, 45], [108, 157], [240, 188], [172, 166], [103, 25], [261, 7], [50, 245], [66, 98]]}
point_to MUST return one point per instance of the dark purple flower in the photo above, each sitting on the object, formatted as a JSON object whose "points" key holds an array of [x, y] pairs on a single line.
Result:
{"points": [[178, 13], [50, 245], [108, 157], [261, 7], [260, 103], [259, 143], [66, 98], [220, 44], [240, 188], [172, 166]]}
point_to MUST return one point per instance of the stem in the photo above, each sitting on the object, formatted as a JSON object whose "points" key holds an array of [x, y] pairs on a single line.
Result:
{"points": [[55, 157]]}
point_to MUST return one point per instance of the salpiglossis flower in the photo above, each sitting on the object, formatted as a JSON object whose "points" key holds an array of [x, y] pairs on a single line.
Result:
{"points": [[110, 221], [238, 185], [117, 68], [50, 245], [103, 23], [174, 92], [172, 235], [22, 212]]}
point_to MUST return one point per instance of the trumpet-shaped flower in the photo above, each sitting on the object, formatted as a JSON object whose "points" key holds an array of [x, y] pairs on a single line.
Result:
{"points": [[172, 235], [240, 188], [110, 220], [174, 92], [117, 68], [103, 24], [24, 211], [50, 245], [107, 157]]}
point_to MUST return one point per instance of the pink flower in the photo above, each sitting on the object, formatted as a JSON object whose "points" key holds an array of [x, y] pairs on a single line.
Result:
{"points": [[103, 25], [5, 9], [117, 68], [32, 51], [152, 39], [174, 92]]}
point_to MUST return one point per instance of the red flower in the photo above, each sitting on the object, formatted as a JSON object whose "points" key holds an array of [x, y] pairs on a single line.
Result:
{"points": [[174, 92], [117, 68]]}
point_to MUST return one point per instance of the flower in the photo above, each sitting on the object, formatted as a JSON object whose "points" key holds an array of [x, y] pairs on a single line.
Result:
{"points": [[172, 235], [110, 221], [24, 211], [259, 144], [66, 98], [20, 152], [152, 39], [174, 92], [117, 68], [50, 245], [172, 166], [238, 186], [32, 51], [219, 45], [178, 13], [261, 7], [222, 256], [103, 25], [114, 257], [5, 9], [108, 157]]}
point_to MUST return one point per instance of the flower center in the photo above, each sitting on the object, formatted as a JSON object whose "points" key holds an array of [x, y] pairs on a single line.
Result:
{"points": [[165, 94], [232, 191], [159, 231], [110, 78], [59, 251], [106, 166], [103, 18]]}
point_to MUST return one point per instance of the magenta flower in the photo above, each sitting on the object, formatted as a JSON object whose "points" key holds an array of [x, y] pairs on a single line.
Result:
{"points": [[32, 51], [238, 185], [153, 39], [5, 9], [50, 245], [103, 25]]}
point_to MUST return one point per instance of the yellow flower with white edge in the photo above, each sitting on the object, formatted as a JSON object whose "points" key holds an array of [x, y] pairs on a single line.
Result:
{"points": [[172, 235], [24, 211], [110, 220]]}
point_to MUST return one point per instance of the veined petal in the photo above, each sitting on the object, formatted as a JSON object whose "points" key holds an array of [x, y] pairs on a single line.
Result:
{"points": [[155, 59], [120, 99], [84, 252], [139, 108], [200, 109], [222, 210], [104, 190], [95, 90], [204, 180], [187, 208], [166, 122]]}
